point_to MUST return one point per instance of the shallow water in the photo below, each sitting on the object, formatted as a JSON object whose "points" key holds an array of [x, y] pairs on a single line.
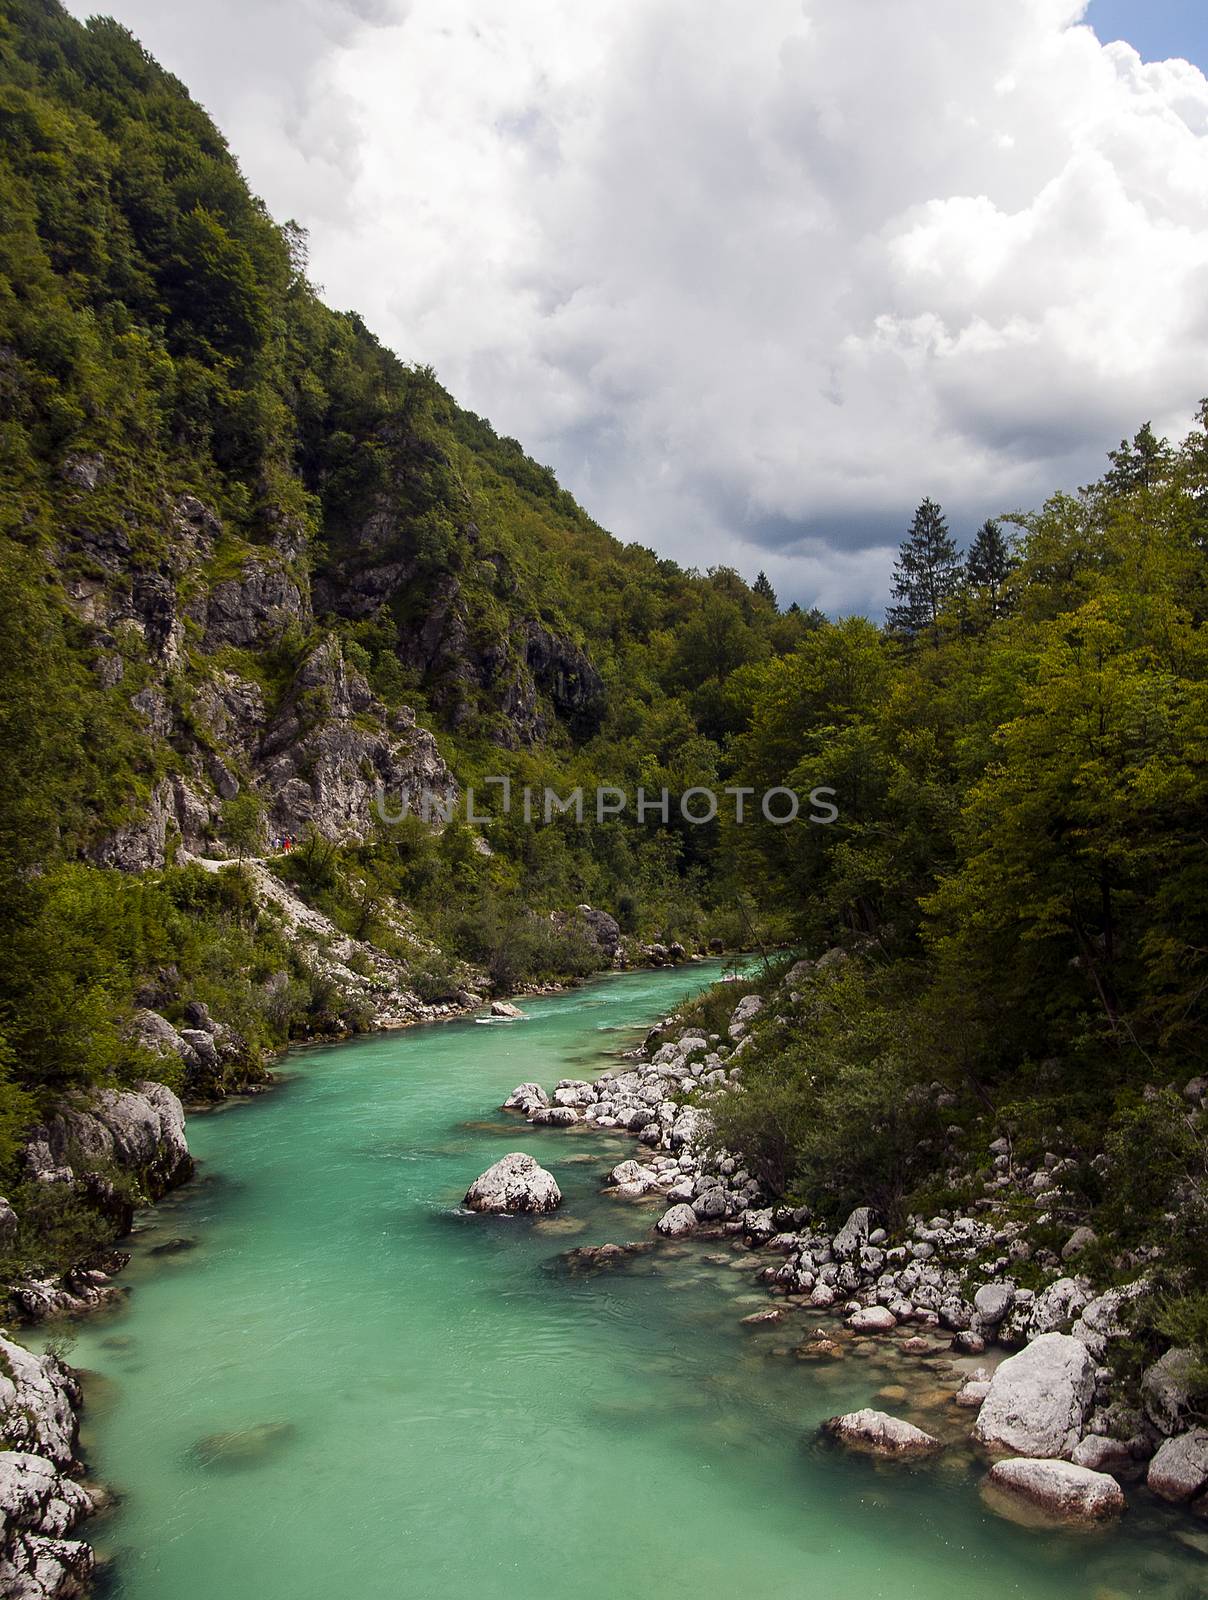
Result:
{"points": [[345, 1388]]}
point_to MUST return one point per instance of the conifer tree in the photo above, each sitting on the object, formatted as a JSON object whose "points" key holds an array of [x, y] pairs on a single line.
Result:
{"points": [[927, 572], [987, 567], [763, 588]]}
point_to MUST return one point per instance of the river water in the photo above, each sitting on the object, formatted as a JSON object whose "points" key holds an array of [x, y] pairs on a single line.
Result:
{"points": [[328, 1383]]}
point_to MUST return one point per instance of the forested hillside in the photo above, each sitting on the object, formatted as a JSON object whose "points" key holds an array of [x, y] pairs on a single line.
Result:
{"points": [[1020, 874], [254, 566]]}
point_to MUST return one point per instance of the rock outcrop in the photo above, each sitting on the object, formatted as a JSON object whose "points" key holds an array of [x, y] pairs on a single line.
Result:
{"points": [[515, 1184], [136, 1133], [40, 1499]]}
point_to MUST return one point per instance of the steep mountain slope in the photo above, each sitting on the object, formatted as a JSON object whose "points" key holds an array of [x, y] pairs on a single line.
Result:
{"points": [[254, 569]]}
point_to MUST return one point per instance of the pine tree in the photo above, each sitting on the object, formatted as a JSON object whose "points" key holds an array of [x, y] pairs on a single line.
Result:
{"points": [[927, 573], [763, 588], [987, 567]]}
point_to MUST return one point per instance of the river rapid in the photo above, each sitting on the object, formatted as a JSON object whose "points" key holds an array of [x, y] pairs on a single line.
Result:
{"points": [[329, 1382]]}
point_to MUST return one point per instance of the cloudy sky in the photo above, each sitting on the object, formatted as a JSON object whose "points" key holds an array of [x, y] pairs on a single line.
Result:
{"points": [[752, 277]]}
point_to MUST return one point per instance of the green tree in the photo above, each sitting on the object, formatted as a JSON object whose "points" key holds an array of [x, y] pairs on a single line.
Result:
{"points": [[243, 822], [926, 575], [988, 565], [763, 588]]}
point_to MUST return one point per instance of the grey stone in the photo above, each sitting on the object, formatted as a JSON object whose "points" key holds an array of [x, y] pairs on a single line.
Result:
{"points": [[1179, 1471], [992, 1302], [1166, 1389], [680, 1219]]}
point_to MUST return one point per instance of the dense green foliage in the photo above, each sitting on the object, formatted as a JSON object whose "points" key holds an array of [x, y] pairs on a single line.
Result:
{"points": [[1019, 867]]}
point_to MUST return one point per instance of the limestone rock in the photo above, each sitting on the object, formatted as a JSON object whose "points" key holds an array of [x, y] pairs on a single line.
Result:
{"points": [[992, 1302], [38, 1505], [514, 1184], [972, 1393], [1179, 1471], [680, 1219], [881, 1433], [853, 1233], [1038, 1399], [526, 1097], [1078, 1241], [1103, 1319], [1166, 1389], [1101, 1453], [604, 930], [141, 1129], [1059, 1488], [872, 1319], [38, 1397]]}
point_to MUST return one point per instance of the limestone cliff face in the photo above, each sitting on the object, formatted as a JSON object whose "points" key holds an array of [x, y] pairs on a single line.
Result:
{"points": [[235, 684], [332, 743], [479, 650], [236, 677]]}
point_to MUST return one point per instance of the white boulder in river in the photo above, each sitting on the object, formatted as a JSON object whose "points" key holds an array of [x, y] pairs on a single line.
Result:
{"points": [[515, 1184], [678, 1220], [1038, 1400], [1058, 1488], [879, 1432]]}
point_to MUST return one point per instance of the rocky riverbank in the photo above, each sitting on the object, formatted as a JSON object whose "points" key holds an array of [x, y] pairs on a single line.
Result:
{"points": [[1056, 1423], [42, 1497]]}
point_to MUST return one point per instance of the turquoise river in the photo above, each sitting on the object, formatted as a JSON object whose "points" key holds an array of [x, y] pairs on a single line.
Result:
{"points": [[329, 1384]]}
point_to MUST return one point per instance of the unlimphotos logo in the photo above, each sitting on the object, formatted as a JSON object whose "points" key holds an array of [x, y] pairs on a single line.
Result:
{"points": [[698, 805]]}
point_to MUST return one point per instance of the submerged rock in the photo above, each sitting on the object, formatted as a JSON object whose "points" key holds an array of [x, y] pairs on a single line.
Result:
{"points": [[174, 1247], [242, 1447], [1038, 1400], [514, 1184], [879, 1432], [1058, 1488], [602, 1257]]}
